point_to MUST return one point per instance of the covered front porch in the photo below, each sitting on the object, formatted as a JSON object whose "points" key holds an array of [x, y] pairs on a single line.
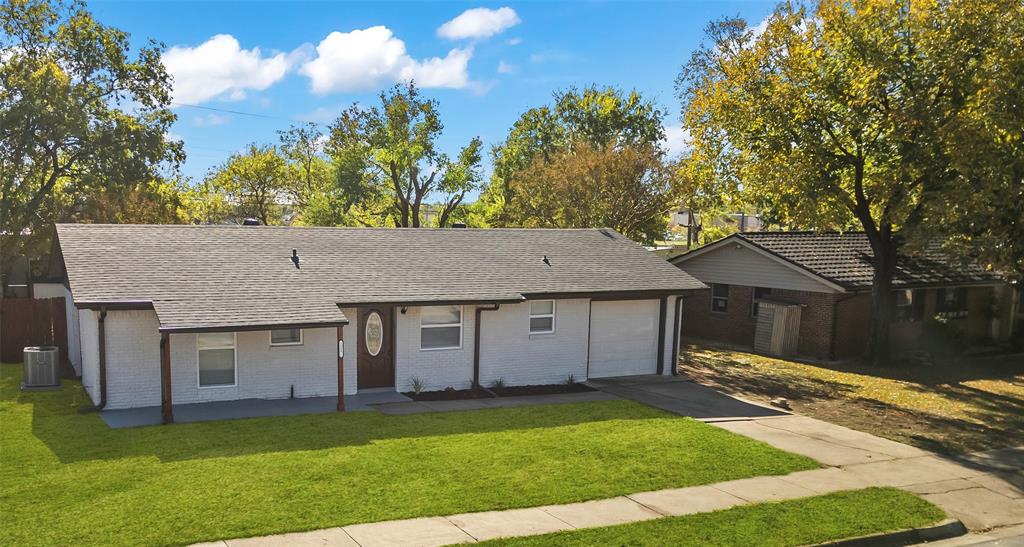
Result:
{"points": [[248, 408]]}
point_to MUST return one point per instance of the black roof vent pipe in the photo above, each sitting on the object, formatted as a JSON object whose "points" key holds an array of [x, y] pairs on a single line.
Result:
{"points": [[295, 258], [250, 222]]}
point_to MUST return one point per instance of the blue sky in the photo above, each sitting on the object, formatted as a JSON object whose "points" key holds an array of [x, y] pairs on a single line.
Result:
{"points": [[307, 61]]}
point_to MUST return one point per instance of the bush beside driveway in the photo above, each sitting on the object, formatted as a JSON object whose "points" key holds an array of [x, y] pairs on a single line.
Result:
{"points": [[66, 478]]}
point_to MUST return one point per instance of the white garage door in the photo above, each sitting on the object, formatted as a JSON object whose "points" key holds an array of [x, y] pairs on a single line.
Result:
{"points": [[623, 338]]}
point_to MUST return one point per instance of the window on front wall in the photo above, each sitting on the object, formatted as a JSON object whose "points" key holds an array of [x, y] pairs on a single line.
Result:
{"points": [[755, 296], [286, 337], [951, 300], [908, 305], [542, 317], [441, 327], [719, 297], [216, 358]]}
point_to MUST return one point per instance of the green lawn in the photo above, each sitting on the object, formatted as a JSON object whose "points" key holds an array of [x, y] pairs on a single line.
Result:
{"points": [[66, 478], [788, 523]]}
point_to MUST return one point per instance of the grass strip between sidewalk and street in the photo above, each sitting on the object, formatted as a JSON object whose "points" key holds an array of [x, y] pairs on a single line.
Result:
{"points": [[803, 521]]}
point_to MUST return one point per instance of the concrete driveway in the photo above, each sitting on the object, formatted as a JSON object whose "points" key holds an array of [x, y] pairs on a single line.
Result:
{"points": [[985, 490], [681, 396]]}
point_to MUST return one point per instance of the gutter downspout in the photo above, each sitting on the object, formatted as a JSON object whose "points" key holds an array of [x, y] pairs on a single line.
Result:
{"points": [[476, 341], [835, 324], [103, 357], [662, 310], [675, 335]]}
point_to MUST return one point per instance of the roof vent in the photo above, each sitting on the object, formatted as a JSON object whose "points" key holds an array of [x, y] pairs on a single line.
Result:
{"points": [[295, 258], [250, 222], [545, 260], [458, 225]]}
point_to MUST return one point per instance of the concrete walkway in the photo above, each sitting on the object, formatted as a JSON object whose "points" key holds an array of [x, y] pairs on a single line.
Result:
{"points": [[985, 490]]}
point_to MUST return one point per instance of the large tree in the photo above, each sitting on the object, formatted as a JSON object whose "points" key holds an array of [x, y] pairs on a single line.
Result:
{"points": [[840, 115], [629, 188], [391, 148], [256, 185], [591, 116], [79, 114]]}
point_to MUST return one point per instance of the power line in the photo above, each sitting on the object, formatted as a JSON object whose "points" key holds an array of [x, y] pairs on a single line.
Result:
{"points": [[251, 114]]}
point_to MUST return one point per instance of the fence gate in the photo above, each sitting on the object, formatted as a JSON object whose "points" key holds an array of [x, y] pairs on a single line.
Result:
{"points": [[32, 322]]}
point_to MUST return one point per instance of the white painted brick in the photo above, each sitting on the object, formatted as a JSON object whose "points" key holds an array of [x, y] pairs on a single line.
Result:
{"points": [[89, 335], [439, 369]]}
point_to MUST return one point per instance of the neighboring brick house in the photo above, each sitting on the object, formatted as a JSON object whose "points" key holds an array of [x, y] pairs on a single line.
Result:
{"points": [[829, 275], [195, 314]]}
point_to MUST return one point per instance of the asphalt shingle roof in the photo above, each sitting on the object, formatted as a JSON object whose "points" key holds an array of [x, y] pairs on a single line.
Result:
{"points": [[846, 259], [214, 276]]}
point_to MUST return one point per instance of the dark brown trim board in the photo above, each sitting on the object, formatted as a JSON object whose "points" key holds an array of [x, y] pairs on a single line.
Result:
{"points": [[662, 311], [101, 328], [243, 328], [341, 368], [166, 404], [115, 305], [676, 329], [421, 303]]}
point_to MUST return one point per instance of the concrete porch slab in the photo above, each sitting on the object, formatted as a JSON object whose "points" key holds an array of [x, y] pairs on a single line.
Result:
{"points": [[417, 407], [421, 532], [248, 408]]}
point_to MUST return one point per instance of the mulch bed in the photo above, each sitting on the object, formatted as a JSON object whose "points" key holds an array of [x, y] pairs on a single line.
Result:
{"points": [[508, 391]]}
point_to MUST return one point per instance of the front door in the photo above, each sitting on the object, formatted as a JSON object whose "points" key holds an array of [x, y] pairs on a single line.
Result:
{"points": [[376, 357]]}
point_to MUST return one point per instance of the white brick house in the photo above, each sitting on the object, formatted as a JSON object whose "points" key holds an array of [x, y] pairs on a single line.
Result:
{"points": [[190, 314]]}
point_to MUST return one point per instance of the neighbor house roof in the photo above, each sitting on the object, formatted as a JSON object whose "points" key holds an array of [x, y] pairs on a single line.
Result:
{"points": [[242, 276], [844, 260]]}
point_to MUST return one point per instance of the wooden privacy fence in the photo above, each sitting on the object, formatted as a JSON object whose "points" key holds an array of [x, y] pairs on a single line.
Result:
{"points": [[32, 322]]}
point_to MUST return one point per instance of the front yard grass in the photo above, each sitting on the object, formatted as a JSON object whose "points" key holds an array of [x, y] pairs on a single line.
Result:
{"points": [[952, 406], [68, 479], [804, 521]]}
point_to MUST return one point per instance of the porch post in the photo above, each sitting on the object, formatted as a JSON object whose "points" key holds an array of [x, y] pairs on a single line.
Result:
{"points": [[341, 368], [165, 378]]}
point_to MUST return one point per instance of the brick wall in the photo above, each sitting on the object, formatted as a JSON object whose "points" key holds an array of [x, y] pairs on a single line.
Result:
{"points": [[736, 326]]}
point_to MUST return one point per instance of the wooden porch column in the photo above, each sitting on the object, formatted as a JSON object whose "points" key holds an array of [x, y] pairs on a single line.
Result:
{"points": [[341, 368], [165, 378]]}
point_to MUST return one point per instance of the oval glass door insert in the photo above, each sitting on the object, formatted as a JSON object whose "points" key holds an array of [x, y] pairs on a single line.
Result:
{"points": [[374, 334]]}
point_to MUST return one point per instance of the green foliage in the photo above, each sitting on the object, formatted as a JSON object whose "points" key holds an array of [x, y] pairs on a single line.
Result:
{"points": [[805, 521], [180, 484], [850, 114], [386, 157], [498, 383], [628, 188], [592, 116], [78, 116], [255, 184], [417, 384]]}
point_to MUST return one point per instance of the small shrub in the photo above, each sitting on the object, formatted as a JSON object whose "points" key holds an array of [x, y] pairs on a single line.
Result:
{"points": [[498, 384], [417, 384], [942, 336], [570, 380]]}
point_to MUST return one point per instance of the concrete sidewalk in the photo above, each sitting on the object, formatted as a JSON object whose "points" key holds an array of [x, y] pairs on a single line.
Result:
{"points": [[984, 490]]}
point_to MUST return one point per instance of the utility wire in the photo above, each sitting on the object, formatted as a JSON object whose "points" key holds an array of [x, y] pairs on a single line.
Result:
{"points": [[252, 114]]}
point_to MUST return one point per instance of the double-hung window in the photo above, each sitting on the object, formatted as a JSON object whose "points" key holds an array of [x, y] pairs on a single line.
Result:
{"points": [[542, 317], [719, 297], [441, 327], [216, 358], [286, 337], [951, 302]]}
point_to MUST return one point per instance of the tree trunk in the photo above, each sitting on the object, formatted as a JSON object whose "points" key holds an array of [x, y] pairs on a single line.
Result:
{"points": [[881, 301]]}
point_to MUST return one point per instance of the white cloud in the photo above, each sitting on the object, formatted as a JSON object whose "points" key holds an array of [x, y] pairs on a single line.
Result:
{"points": [[677, 140], [505, 68], [551, 56], [362, 58], [209, 120], [759, 29], [219, 67], [513, 41], [479, 23]]}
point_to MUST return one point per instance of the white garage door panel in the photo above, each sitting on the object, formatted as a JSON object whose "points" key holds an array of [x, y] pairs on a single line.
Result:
{"points": [[623, 338]]}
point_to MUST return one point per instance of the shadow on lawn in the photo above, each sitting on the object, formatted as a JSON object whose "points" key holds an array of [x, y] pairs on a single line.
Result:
{"points": [[994, 420], [74, 436]]}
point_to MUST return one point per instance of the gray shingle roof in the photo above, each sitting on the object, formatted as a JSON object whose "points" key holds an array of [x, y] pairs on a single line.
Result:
{"points": [[212, 276], [845, 259]]}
